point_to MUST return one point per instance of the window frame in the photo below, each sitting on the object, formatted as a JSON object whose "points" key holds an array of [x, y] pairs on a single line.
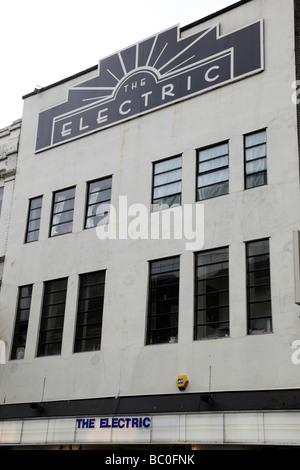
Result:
{"points": [[197, 336], [78, 340], [153, 203], [28, 219], [215, 170], [87, 205], [172, 338], [46, 317], [249, 286], [62, 212], [249, 134], [15, 342]]}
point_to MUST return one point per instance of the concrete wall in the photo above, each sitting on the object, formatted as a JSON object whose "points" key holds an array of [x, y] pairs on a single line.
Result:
{"points": [[125, 365]]}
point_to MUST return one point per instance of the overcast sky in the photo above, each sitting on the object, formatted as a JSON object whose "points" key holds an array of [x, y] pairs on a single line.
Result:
{"points": [[43, 42]]}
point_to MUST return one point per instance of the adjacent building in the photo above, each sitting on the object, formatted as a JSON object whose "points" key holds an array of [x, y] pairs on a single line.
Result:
{"points": [[9, 143], [150, 292]]}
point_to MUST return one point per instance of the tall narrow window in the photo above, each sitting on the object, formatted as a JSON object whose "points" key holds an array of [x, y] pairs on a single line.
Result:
{"points": [[163, 301], [255, 159], [99, 193], [21, 325], [259, 287], [52, 321], [62, 212], [212, 294], [89, 314], [212, 177], [166, 183], [34, 218], [1, 197]]}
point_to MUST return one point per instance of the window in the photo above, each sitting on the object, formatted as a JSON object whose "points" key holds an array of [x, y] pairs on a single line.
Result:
{"points": [[34, 218], [166, 183], [62, 212], [255, 159], [99, 193], [89, 313], [211, 294], [163, 301], [1, 197], [258, 287], [51, 328], [212, 173], [21, 325]]}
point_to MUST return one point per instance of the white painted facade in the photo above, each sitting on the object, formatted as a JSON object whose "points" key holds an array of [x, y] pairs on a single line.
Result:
{"points": [[125, 365]]}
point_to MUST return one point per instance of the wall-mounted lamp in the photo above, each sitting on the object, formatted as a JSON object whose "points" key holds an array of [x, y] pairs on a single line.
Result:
{"points": [[182, 382]]}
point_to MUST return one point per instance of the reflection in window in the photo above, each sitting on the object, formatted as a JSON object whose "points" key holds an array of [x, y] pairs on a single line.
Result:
{"points": [[166, 183], [212, 177], [259, 287], [99, 194], [89, 315], [163, 301], [62, 213], [34, 217], [255, 159], [52, 322], [212, 294], [21, 325]]}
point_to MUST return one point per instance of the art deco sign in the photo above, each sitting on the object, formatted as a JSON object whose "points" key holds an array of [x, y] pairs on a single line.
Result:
{"points": [[154, 73]]}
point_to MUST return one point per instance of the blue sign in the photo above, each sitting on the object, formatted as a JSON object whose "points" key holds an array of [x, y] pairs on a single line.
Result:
{"points": [[92, 423], [154, 73]]}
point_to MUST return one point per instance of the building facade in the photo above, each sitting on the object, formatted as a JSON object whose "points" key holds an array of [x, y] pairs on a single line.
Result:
{"points": [[150, 292], [9, 145]]}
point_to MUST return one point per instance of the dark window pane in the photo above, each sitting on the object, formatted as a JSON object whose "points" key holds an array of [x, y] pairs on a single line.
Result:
{"points": [[212, 294], [52, 321], [258, 287], [163, 301], [21, 325], [89, 312], [259, 277]]}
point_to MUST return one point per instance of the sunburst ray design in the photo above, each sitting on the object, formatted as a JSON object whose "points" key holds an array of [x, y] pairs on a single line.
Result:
{"points": [[164, 54]]}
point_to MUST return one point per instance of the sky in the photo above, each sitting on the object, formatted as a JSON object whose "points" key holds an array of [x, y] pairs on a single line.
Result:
{"points": [[43, 42]]}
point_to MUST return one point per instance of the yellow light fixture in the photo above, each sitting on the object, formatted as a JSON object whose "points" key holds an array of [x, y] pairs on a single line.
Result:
{"points": [[182, 382]]}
